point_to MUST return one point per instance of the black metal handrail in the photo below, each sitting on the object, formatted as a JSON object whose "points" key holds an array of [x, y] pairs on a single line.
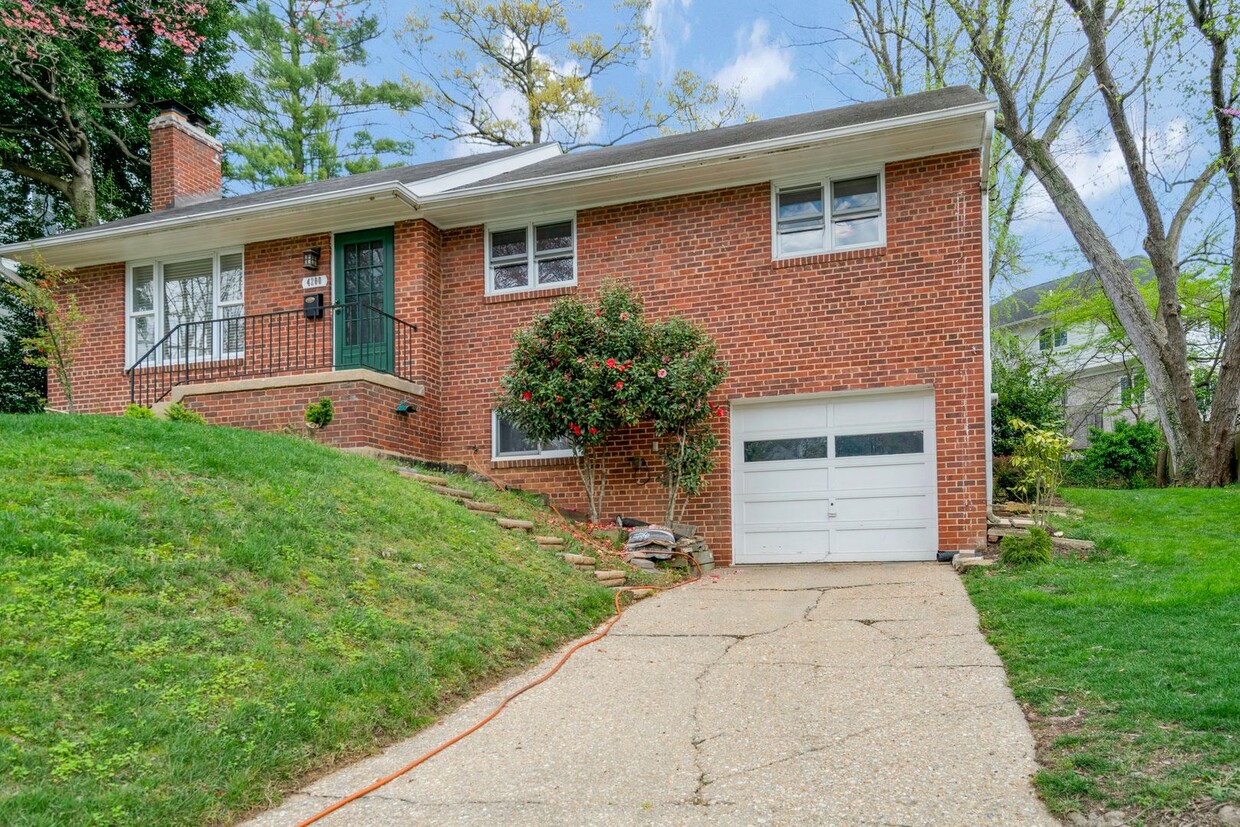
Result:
{"points": [[279, 343]]}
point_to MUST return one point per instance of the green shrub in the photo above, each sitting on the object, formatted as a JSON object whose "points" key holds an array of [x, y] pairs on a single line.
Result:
{"points": [[320, 414], [135, 411], [22, 385], [177, 412], [1128, 453], [1009, 481], [1034, 550]]}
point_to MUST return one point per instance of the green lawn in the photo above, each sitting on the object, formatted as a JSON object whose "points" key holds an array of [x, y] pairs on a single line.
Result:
{"points": [[192, 618], [1129, 660]]}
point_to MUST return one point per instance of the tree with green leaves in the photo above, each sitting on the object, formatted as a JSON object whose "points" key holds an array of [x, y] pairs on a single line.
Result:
{"points": [[515, 72], [1083, 306], [79, 81], [306, 111], [1030, 390], [22, 385]]}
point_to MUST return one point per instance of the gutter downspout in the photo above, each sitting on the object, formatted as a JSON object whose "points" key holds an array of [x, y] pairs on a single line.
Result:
{"points": [[988, 132]]}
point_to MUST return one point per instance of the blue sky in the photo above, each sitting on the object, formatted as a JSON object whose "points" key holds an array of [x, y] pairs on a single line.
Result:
{"points": [[760, 49]]}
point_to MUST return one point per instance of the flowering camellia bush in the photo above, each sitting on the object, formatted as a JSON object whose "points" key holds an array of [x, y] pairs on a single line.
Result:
{"points": [[583, 373]]}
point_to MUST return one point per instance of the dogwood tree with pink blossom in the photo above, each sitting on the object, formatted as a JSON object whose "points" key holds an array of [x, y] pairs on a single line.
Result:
{"points": [[78, 82]]}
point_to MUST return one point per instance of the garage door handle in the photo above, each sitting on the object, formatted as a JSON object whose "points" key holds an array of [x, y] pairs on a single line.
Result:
{"points": [[830, 508]]}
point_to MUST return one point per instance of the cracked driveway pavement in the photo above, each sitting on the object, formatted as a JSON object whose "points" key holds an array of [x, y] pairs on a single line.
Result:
{"points": [[849, 694]]}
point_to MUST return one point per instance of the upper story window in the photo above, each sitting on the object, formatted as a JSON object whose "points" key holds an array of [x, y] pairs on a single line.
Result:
{"points": [[201, 298], [508, 442], [1052, 338], [835, 214], [533, 256], [1132, 389]]}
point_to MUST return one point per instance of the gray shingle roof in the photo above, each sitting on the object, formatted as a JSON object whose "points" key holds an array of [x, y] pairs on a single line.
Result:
{"points": [[1021, 305], [654, 148], [692, 142], [405, 175]]}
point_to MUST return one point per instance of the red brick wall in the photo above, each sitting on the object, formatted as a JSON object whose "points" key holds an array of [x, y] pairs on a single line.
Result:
{"points": [[417, 301], [365, 414], [182, 164], [907, 314], [99, 383]]}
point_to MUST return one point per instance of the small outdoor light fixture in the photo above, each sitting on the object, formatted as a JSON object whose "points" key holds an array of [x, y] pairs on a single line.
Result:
{"points": [[310, 258], [406, 407]]}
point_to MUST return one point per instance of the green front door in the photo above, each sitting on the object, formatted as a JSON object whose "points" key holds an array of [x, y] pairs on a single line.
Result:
{"points": [[363, 290]]}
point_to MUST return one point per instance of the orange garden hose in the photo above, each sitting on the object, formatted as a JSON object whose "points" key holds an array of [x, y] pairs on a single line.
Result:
{"points": [[581, 644]]}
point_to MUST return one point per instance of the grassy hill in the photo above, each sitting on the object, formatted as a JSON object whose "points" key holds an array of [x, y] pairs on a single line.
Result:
{"points": [[192, 618]]}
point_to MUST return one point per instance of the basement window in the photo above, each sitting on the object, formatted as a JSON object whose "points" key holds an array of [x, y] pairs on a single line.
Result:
{"points": [[539, 255], [199, 300], [508, 442], [828, 215]]}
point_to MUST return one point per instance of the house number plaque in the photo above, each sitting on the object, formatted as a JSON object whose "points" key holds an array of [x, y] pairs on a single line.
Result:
{"points": [[311, 282]]}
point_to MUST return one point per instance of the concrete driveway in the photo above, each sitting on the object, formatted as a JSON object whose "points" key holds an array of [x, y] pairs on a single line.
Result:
{"points": [[838, 694]]}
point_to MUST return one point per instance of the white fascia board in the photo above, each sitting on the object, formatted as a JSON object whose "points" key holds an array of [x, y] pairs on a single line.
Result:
{"points": [[733, 151], [481, 172]]}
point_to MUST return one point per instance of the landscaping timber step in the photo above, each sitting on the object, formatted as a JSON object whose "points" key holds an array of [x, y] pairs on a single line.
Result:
{"points": [[427, 478], [474, 505], [1075, 545], [451, 492], [579, 560], [549, 541], [514, 525]]}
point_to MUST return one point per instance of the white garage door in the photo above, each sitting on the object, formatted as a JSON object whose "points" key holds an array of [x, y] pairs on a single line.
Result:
{"points": [[833, 480]]}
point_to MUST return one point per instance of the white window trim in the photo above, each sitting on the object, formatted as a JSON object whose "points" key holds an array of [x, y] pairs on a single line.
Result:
{"points": [[157, 269], [829, 245], [541, 453], [1137, 395], [1055, 331], [530, 253]]}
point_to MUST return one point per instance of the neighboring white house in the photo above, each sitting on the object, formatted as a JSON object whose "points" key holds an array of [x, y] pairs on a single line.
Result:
{"points": [[8, 273], [1106, 383]]}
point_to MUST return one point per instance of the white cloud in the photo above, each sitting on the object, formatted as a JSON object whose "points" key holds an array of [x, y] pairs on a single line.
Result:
{"points": [[760, 65], [1098, 172], [669, 30]]}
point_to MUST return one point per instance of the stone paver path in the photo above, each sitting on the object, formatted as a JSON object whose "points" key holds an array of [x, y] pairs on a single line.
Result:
{"points": [[835, 695]]}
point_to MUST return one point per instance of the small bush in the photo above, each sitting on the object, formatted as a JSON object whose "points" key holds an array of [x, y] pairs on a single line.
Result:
{"points": [[177, 412], [1009, 483], [1129, 452], [135, 411], [320, 414], [1034, 550]]}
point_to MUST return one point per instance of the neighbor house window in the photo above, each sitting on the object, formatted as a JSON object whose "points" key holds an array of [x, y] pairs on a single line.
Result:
{"points": [[199, 300], [1052, 338], [508, 442], [835, 214], [1132, 390], [533, 256]]}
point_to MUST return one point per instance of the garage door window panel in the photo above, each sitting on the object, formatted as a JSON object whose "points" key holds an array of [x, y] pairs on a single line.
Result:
{"points": [[875, 445], [779, 450]]}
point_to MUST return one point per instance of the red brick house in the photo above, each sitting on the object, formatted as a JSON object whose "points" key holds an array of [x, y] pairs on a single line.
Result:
{"points": [[838, 258]]}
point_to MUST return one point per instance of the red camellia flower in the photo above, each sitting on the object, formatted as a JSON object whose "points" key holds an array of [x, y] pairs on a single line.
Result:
{"points": [[619, 385], [719, 411], [662, 373], [624, 317], [559, 399], [611, 363], [527, 396], [594, 430], [575, 429]]}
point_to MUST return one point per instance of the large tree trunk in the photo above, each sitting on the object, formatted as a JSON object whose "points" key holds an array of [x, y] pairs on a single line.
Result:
{"points": [[81, 190], [1199, 451]]}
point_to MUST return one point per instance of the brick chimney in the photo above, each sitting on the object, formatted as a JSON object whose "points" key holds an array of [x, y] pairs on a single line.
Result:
{"points": [[185, 159]]}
